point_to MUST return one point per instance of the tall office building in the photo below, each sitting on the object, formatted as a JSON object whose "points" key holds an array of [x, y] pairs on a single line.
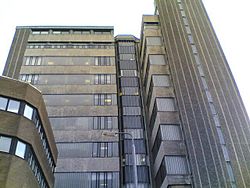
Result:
{"points": [[198, 126], [171, 90]]}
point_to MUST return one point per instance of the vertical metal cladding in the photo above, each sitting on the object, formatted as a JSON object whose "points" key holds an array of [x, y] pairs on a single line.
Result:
{"points": [[131, 112], [215, 122]]}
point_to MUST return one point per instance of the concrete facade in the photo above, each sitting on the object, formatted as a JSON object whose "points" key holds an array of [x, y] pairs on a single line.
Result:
{"points": [[16, 127]]}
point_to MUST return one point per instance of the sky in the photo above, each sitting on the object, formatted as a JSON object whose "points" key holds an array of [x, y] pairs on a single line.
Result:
{"points": [[230, 19]]}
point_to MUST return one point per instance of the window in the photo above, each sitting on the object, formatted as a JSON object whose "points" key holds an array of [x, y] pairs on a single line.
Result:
{"points": [[127, 65], [157, 60], [105, 123], [165, 104], [20, 149], [28, 112], [3, 103], [105, 149], [5, 143], [161, 80], [129, 82], [127, 56], [176, 165], [31, 78], [131, 101], [130, 91], [140, 146], [127, 49], [142, 173], [104, 99], [156, 41], [170, 132], [140, 159], [103, 79], [131, 111], [13, 106], [129, 73], [132, 122]]}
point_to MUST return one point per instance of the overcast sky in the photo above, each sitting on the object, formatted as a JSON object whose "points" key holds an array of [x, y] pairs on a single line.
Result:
{"points": [[230, 19]]}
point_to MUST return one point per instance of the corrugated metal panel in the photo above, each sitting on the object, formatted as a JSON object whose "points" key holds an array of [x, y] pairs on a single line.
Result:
{"points": [[170, 132], [165, 104], [128, 73], [132, 122], [86, 180], [161, 80], [69, 180], [131, 101], [74, 150], [128, 65], [129, 81], [130, 91], [131, 111], [176, 165]]}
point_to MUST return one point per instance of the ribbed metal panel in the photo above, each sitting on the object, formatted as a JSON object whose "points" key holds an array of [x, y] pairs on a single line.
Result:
{"points": [[74, 150], [128, 65], [69, 180], [170, 132], [130, 91], [131, 101], [131, 111], [176, 165], [165, 104], [87, 180], [161, 80], [130, 122], [129, 82]]}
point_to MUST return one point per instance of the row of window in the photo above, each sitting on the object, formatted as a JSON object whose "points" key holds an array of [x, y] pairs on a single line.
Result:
{"points": [[17, 147], [84, 123], [87, 180], [88, 149], [65, 32], [67, 61], [131, 116], [66, 79], [69, 45], [81, 100], [21, 108], [171, 165]]}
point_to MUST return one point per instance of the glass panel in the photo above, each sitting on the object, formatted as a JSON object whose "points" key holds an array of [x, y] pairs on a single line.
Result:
{"points": [[154, 41], [20, 149], [5, 144], [13, 106], [28, 112], [157, 60], [3, 103]]}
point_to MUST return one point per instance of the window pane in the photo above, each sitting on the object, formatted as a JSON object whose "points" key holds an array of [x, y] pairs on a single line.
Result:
{"points": [[165, 104], [170, 132], [3, 103], [176, 165], [28, 112], [20, 149], [157, 60], [5, 144], [154, 41], [13, 106]]}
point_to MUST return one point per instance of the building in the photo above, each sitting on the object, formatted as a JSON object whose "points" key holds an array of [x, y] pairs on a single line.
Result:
{"points": [[172, 90], [198, 126], [27, 147]]}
